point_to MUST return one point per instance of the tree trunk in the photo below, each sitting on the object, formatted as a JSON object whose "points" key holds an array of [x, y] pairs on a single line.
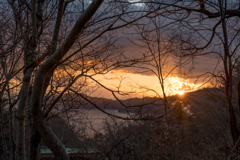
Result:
{"points": [[3, 149], [35, 141], [233, 124], [12, 142], [20, 149], [238, 92], [228, 74], [29, 58], [36, 111]]}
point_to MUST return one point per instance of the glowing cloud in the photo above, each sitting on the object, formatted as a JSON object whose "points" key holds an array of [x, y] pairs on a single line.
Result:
{"points": [[146, 85]]}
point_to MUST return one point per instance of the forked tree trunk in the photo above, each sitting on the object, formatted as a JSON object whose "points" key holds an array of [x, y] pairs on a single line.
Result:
{"points": [[44, 130]]}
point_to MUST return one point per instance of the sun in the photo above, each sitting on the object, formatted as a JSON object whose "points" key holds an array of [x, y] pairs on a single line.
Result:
{"points": [[181, 92]]}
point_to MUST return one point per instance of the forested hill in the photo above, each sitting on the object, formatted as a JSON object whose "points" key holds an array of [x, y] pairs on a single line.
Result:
{"points": [[194, 100]]}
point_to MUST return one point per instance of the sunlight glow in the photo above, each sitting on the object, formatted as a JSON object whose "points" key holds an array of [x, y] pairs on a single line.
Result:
{"points": [[146, 85], [176, 85], [181, 92]]}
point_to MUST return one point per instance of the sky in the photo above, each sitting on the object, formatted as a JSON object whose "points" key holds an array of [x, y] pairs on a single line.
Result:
{"points": [[186, 79], [143, 85]]}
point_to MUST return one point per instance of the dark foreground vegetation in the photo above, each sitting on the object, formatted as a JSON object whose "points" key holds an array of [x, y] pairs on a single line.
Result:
{"points": [[194, 129]]}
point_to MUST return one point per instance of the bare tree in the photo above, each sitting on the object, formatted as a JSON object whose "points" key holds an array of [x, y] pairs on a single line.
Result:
{"points": [[10, 67], [65, 42], [54, 57], [214, 32]]}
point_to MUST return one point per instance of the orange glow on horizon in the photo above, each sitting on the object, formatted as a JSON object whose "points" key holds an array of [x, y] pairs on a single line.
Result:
{"points": [[180, 86], [181, 92], [146, 85]]}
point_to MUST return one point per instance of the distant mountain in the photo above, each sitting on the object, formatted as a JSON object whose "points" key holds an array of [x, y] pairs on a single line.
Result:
{"points": [[148, 105]]}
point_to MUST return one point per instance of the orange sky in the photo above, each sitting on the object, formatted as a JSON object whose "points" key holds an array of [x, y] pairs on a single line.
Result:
{"points": [[143, 85]]}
